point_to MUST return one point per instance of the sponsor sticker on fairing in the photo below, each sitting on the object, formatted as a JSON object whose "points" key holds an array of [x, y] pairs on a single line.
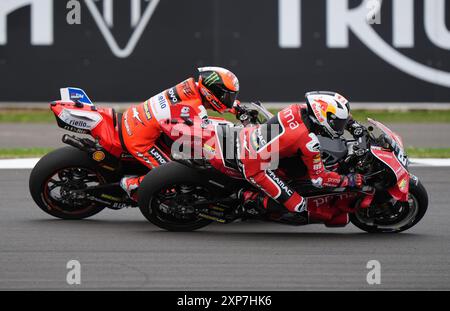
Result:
{"points": [[80, 119]]}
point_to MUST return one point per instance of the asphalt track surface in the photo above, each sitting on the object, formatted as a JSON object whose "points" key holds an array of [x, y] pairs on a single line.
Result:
{"points": [[14, 135], [120, 250]]}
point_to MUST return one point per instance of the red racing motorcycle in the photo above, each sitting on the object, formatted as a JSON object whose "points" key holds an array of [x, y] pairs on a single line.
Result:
{"points": [[192, 191], [80, 180]]}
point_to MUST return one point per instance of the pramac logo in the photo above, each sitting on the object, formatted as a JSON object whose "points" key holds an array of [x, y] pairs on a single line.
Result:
{"points": [[341, 20]]}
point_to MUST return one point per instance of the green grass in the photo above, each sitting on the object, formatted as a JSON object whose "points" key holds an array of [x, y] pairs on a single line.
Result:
{"points": [[11, 153], [412, 152], [26, 116], [415, 116]]}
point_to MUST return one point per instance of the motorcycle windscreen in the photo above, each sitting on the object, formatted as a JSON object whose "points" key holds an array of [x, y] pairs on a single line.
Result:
{"points": [[387, 131]]}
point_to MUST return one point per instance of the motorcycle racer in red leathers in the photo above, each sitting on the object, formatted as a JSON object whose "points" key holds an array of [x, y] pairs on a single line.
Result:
{"points": [[292, 133], [216, 89]]}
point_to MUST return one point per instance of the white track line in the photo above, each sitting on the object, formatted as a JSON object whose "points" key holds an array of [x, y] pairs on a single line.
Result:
{"points": [[18, 163], [30, 163], [431, 162]]}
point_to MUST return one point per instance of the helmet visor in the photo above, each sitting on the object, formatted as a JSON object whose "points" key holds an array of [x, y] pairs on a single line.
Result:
{"points": [[338, 125], [228, 98], [225, 96]]}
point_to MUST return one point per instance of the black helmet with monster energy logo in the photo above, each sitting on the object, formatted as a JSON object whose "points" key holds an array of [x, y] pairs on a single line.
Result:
{"points": [[218, 86]]}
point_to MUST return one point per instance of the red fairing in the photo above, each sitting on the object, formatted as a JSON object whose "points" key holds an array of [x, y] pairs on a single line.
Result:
{"points": [[401, 189], [331, 209], [98, 122], [202, 141]]}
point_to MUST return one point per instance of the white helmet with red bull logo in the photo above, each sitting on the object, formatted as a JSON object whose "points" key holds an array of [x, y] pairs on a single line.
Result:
{"points": [[328, 110]]}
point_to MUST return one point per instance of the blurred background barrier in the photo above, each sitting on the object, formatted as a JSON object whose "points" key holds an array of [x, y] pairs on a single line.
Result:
{"points": [[128, 50]]}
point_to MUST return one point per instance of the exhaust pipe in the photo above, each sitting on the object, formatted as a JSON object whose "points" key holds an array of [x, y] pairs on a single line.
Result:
{"points": [[74, 142]]}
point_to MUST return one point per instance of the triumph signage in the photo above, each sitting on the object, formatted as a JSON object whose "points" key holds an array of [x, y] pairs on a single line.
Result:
{"points": [[341, 20], [129, 50]]}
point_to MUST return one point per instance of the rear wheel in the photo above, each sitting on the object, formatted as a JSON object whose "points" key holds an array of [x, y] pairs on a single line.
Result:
{"points": [[167, 195], [59, 173], [393, 217]]}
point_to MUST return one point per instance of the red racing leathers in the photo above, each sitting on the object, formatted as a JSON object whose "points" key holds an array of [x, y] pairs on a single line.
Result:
{"points": [[285, 135], [141, 124]]}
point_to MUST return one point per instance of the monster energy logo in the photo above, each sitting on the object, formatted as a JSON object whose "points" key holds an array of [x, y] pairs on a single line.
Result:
{"points": [[214, 77]]}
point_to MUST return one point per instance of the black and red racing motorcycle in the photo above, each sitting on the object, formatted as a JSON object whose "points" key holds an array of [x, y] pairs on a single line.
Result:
{"points": [[188, 194]]}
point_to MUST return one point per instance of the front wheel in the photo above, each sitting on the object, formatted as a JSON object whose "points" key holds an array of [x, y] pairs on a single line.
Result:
{"points": [[394, 218], [56, 175], [167, 196]]}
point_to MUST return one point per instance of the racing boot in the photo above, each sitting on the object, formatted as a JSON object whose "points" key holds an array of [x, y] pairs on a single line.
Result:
{"points": [[298, 214], [254, 199], [130, 184], [255, 202], [252, 202]]}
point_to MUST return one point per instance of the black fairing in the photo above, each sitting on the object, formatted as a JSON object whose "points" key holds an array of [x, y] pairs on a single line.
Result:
{"points": [[333, 150]]}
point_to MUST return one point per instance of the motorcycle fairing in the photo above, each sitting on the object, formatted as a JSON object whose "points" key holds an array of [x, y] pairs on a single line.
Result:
{"points": [[330, 208], [100, 123], [401, 189], [80, 119]]}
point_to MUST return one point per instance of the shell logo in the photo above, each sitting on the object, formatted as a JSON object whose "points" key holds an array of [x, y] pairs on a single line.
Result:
{"points": [[98, 156]]}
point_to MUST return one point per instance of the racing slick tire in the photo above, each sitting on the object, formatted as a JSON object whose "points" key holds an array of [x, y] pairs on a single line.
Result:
{"points": [[66, 169], [418, 197], [160, 180]]}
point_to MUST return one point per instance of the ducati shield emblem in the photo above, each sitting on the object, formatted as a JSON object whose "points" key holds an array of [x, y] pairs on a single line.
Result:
{"points": [[138, 22]]}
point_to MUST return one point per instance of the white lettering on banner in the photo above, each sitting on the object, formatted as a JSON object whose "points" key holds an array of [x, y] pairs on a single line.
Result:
{"points": [[289, 23], [435, 26], [403, 23], [341, 20], [41, 19]]}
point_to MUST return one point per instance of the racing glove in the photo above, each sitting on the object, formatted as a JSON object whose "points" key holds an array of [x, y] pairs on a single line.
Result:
{"points": [[353, 180]]}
